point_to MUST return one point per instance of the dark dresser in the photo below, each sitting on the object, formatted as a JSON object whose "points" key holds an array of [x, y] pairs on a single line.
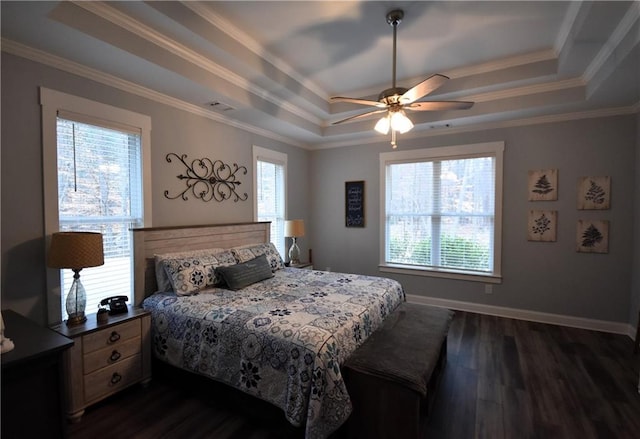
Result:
{"points": [[32, 392]]}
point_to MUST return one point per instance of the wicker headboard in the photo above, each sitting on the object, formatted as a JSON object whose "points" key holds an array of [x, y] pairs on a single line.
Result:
{"points": [[150, 241]]}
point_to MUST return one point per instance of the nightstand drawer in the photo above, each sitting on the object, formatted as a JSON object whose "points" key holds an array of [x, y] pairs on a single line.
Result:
{"points": [[112, 378], [111, 336], [111, 355]]}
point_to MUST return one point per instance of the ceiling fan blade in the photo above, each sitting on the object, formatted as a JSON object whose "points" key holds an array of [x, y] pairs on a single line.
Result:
{"points": [[360, 116], [439, 106], [424, 88], [359, 101]]}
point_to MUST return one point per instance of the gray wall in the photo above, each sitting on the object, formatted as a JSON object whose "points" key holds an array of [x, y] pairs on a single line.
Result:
{"points": [[23, 249], [545, 277], [542, 277]]}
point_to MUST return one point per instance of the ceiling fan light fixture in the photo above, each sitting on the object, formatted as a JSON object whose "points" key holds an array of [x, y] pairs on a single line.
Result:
{"points": [[393, 100], [400, 122], [383, 125]]}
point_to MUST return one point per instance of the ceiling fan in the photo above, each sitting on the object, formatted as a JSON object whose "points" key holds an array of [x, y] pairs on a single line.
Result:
{"points": [[395, 100]]}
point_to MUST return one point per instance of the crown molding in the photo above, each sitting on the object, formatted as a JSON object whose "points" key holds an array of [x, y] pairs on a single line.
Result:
{"points": [[608, 49], [417, 132], [63, 64], [252, 45], [477, 69], [566, 28], [143, 31], [501, 64], [526, 90], [68, 66]]}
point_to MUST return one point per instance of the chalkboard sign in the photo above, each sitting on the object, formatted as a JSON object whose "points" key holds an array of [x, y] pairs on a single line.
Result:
{"points": [[354, 203]]}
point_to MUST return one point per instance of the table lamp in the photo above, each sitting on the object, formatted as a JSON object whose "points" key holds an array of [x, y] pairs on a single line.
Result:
{"points": [[294, 229], [76, 250]]}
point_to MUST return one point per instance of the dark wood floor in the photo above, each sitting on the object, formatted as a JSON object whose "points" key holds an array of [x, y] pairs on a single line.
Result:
{"points": [[504, 379]]}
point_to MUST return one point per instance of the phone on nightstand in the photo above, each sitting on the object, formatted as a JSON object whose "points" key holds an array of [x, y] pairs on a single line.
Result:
{"points": [[116, 304]]}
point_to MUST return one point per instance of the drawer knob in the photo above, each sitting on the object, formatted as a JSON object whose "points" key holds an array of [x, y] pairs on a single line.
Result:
{"points": [[116, 378], [115, 356], [114, 337]]}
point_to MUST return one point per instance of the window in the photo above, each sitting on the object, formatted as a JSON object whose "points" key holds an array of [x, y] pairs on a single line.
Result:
{"points": [[270, 170], [94, 157], [442, 211], [100, 190]]}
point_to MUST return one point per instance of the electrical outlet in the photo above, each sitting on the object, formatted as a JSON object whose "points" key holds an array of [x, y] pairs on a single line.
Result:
{"points": [[488, 289]]}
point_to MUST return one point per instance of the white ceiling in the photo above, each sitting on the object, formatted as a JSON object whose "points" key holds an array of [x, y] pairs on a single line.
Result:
{"points": [[274, 65]]}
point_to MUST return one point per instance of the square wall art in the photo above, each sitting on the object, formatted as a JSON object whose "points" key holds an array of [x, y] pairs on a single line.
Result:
{"points": [[594, 193], [543, 185], [592, 236], [542, 225]]}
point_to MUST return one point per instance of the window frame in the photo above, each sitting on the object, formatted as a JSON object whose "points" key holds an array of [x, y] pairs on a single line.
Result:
{"points": [[88, 111], [278, 158], [493, 149]]}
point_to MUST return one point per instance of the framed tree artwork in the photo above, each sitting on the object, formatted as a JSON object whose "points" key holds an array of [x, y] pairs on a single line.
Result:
{"points": [[542, 225], [594, 193], [592, 236], [543, 185]]}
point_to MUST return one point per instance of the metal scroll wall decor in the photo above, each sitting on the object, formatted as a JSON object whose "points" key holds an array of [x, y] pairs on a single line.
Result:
{"points": [[208, 180]]}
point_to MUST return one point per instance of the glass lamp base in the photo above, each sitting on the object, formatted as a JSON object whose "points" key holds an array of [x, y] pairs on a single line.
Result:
{"points": [[76, 301], [76, 320], [294, 253]]}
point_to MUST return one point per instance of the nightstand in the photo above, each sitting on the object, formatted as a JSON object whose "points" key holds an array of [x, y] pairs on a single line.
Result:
{"points": [[32, 393], [105, 358], [303, 265]]}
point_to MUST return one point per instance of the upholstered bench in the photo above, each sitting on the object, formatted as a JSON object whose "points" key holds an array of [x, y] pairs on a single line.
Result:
{"points": [[392, 377]]}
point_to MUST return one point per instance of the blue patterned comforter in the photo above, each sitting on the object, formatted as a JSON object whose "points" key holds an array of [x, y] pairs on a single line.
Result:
{"points": [[282, 339]]}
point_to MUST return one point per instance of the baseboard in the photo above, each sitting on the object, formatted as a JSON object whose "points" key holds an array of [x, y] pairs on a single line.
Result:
{"points": [[532, 316]]}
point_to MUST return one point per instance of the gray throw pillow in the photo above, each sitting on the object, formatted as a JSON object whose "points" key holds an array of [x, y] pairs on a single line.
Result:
{"points": [[241, 275]]}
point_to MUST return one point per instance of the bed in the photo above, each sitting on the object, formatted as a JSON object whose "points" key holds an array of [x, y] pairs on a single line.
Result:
{"points": [[281, 339]]}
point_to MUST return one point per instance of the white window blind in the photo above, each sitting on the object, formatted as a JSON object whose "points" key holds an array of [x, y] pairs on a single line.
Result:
{"points": [[440, 212], [270, 203], [100, 190]]}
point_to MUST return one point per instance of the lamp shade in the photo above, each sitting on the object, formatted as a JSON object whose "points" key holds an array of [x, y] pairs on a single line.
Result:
{"points": [[294, 228], [76, 250]]}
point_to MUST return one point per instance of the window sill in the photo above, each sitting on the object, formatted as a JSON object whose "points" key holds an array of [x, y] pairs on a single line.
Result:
{"points": [[447, 274]]}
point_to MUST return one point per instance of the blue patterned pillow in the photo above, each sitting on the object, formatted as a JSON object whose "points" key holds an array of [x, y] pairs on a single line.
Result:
{"points": [[162, 279], [190, 275], [252, 251]]}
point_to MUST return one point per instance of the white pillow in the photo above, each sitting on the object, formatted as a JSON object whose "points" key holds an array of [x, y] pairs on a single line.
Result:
{"points": [[163, 281]]}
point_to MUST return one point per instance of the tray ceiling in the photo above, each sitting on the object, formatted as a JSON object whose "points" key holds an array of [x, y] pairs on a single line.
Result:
{"points": [[270, 67]]}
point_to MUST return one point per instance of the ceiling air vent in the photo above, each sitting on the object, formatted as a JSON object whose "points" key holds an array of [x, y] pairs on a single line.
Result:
{"points": [[219, 106]]}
